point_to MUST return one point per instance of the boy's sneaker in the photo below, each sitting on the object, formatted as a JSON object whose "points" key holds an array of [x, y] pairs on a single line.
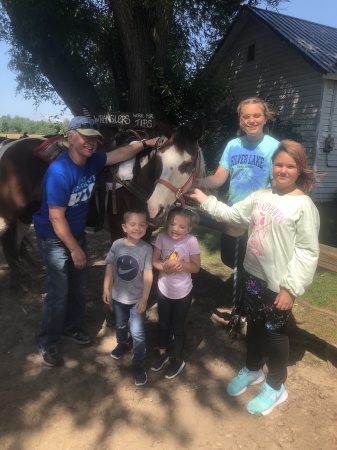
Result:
{"points": [[267, 399], [244, 378], [176, 366], [159, 362], [79, 337], [50, 357], [119, 351], [140, 376]]}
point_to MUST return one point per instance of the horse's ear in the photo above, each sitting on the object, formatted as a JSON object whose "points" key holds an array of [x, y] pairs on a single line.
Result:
{"points": [[197, 129], [166, 129]]}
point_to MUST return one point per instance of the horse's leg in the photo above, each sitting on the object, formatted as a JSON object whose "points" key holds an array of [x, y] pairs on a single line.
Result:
{"points": [[21, 241], [11, 254], [15, 252], [3, 226]]}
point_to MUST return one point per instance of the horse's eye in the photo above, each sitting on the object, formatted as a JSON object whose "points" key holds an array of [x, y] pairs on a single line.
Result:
{"points": [[186, 166]]}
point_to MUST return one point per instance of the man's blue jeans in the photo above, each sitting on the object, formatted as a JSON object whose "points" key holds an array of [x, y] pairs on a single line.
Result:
{"points": [[64, 306], [122, 314]]}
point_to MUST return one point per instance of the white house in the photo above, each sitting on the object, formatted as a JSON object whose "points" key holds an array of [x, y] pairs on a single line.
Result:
{"points": [[292, 63]]}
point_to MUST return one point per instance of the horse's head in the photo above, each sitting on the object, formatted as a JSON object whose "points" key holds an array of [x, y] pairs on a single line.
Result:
{"points": [[181, 162]]}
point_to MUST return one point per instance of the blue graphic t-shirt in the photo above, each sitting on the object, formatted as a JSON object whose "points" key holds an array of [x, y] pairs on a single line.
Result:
{"points": [[249, 165], [68, 185]]}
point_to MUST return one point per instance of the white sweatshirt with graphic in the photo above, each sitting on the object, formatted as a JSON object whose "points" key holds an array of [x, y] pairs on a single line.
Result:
{"points": [[283, 246]]}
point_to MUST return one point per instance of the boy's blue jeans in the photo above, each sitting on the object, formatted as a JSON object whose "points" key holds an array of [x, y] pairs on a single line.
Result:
{"points": [[64, 307], [122, 314]]}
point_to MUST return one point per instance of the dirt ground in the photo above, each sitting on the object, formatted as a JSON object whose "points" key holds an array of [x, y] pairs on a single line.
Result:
{"points": [[91, 402]]}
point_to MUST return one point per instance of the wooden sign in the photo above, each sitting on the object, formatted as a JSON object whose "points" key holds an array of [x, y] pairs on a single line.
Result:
{"points": [[125, 120]]}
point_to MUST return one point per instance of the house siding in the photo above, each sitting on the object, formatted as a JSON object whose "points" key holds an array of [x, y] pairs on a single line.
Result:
{"points": [[294, 88], [326, 163]]}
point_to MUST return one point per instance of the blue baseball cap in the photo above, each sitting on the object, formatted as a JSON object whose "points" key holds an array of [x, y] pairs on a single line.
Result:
{"points": [[86, 126]]}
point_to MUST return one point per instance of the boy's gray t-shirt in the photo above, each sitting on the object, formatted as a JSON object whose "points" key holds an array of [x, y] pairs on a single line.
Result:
{"points": [[128, 265]]}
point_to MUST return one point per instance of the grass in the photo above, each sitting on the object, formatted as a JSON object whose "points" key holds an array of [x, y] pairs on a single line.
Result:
{"points": [[323, 291], [209, 241]]}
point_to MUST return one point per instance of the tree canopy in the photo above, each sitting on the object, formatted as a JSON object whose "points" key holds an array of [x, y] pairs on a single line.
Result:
{"points": [[134, 55], [122, 55]]}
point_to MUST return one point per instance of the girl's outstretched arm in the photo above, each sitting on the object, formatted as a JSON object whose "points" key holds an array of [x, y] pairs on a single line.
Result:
{"points": [[213, 181]]}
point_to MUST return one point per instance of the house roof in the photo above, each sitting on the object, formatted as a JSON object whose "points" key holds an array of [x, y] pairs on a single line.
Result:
{"points": [[317, 43]]}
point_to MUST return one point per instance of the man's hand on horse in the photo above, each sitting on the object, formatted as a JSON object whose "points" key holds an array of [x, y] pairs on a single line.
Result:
{"points": [[150, 142], [129, 151]]}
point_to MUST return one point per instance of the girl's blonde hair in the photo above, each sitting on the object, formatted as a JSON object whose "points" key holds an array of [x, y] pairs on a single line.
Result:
{"points": [[268, 113], [306, 179]]}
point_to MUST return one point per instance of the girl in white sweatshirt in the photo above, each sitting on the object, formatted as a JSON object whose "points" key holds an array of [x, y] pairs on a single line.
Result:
{"points": [[280, 262]]}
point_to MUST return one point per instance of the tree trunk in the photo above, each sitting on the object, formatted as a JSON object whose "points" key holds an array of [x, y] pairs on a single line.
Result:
{"points": [[144, 32], [76, 91]]}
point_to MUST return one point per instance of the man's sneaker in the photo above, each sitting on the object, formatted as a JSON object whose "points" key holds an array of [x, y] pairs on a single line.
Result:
{"points": [[140, 376], [244, 378], [159, 362], [267, 399], [119, 351], [176, 366], [79, 337], [50, 357]]}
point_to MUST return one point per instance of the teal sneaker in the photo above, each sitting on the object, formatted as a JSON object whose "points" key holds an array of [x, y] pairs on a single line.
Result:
{"points": [[267, 399], [244, 378]]}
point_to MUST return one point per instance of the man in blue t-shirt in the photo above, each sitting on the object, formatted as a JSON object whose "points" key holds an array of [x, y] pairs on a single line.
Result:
{"points": [[60, 225]]}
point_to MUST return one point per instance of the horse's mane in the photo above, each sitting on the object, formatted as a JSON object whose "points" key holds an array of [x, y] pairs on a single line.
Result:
{"points": [[184, 140]]}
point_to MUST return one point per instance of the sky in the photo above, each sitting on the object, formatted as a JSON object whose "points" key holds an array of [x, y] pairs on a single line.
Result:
{"points": [[320, 11]]}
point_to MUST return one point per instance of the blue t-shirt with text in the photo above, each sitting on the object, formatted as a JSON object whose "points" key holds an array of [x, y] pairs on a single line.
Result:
{"points": [[249, 165]]}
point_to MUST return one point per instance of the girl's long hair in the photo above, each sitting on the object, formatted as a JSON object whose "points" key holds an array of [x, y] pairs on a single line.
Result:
{"points": [[306, 180]]}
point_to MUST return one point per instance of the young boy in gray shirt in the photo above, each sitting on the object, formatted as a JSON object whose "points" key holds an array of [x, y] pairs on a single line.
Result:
{"points": [[127, 283]]}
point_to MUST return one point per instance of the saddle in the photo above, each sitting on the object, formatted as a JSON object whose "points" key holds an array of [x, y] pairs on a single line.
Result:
{"points": [[51, 148]]}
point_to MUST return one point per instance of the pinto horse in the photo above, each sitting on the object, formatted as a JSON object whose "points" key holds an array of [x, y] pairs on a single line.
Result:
{"points": [[162, 175]]}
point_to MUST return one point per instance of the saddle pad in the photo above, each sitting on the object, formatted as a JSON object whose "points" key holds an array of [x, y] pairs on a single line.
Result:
{"points": [[125, 170], [51, 148]]}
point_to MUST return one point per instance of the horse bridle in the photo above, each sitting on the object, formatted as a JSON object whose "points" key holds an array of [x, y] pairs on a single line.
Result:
{"points": [[179, 192]]}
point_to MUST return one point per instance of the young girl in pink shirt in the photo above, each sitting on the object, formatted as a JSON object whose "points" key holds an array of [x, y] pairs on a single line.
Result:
{"points": [[176, 255]]}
